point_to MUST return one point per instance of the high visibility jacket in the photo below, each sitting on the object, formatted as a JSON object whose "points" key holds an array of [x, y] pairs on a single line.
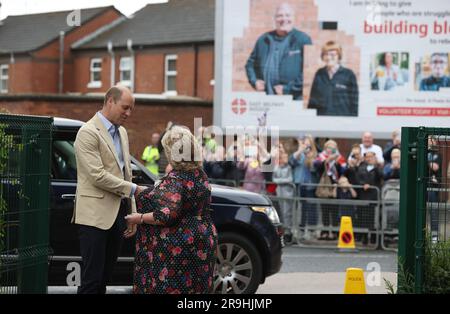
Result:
{"points": [[151, 157]]}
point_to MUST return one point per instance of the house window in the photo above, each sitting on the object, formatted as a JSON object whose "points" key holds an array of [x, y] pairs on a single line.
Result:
{"points": [[96, 73], [4, 78], [125, 71], [171, 75]]}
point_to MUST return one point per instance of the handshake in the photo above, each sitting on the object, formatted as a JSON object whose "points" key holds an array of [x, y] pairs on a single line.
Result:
{"points": [[139, 189]]}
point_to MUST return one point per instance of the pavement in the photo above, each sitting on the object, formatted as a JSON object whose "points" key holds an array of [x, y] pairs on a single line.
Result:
{"points": [[317, 283], [307, 270]]}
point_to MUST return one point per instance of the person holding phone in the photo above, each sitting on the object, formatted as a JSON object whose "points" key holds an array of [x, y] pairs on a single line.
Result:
{"points": [[392, 169], [305, 178], [332, 164]]}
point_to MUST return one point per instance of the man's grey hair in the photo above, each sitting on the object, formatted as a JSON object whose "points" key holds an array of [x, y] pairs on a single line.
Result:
{"points": [[440, 54]]}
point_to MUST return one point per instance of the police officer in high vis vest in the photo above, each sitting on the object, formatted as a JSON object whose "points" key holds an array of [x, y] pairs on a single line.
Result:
{"points": [[151, 155]]}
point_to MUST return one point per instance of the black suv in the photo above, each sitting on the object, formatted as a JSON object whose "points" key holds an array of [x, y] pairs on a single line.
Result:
{"points": [[250, 232]]}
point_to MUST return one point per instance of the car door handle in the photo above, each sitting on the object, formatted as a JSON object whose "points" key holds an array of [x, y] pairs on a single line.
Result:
{"points": [[68, 196]]}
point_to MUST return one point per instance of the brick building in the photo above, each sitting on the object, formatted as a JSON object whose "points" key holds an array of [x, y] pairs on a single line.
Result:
{"points": [[163, 49], [164, 53], [31, 45]]}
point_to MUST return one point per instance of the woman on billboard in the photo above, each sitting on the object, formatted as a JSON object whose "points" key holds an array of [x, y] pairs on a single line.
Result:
{"points": [[334, 91], [387, 75]]}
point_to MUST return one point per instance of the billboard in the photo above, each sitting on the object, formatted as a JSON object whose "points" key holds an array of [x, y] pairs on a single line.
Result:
{"points": [[332, 68]]}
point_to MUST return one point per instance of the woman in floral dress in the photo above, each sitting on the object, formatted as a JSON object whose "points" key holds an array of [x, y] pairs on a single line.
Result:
{"points": [[176, 240]]}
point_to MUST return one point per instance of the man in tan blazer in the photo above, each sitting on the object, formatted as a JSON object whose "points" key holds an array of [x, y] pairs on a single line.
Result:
{"points": [[105, 193]]}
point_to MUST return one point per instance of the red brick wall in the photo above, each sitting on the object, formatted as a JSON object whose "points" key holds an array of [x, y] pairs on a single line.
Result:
{"points": [[145, 119], [81, 72], [19, 74], [205, 72], [186, 72], [149, 70], [149, 75]]}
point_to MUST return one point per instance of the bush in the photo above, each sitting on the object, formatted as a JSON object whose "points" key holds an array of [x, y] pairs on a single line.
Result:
{"points": [[436, 268]]}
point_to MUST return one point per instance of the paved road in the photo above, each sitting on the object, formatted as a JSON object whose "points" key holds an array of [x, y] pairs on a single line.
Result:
{"points": [[309, 270]]}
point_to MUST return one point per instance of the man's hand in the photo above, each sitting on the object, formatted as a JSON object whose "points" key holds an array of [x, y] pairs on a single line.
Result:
{"points": [[130, 231], [366, 187], [139, 189], [352, 162], [332, 157], [278, 89], [260, 85]]}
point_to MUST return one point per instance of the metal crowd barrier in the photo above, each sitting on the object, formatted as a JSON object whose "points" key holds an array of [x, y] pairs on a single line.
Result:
{"points": [[321, 218], [390, 205], [375, 222], [438, 211]]}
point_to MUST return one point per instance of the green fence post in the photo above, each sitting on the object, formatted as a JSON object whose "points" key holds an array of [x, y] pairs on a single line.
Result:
{"points": [[34, 207], [421, 197], [407, 221]]}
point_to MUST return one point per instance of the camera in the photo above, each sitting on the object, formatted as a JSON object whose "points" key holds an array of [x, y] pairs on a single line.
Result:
{"points": [[308, 149]]}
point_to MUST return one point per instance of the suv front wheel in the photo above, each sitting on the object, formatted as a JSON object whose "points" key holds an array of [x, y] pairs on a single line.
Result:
{"points": [[238, 266]]}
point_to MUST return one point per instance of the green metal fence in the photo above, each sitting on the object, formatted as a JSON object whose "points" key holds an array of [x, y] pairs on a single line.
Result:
{"points": [[424, 225], [25, 150]]}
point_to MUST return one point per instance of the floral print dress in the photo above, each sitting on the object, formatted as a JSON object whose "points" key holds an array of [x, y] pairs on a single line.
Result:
{"points": [[179, 255]]}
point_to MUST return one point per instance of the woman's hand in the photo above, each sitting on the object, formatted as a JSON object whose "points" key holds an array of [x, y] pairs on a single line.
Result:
{"points": [[134, 218]]}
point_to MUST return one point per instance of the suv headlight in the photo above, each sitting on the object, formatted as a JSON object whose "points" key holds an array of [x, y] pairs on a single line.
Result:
{"points": [[270, 211]]}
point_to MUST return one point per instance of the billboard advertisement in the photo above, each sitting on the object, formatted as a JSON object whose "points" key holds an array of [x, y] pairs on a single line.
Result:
{"points": [[332, 68]]}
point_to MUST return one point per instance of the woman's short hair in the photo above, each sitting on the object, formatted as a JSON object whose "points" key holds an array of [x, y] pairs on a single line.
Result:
{"points": [[332, 45], [182, 149]]}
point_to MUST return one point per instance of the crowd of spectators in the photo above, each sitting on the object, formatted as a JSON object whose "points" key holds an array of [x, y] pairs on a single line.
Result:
{"points": [[310, 171]]}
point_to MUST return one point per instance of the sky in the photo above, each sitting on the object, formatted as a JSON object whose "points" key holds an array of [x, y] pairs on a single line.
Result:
{"points": [[20, 7]]}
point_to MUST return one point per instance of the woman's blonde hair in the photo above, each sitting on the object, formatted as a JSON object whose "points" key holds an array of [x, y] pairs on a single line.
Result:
{"points": [[330, 143], [182, 149]]}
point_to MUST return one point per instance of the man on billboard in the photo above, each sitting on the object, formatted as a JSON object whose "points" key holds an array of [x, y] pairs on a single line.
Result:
{"points": [[438, 79], [334, 91], [276, 62]]}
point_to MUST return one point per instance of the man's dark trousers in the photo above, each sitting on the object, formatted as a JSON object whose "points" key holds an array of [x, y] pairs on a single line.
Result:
{"points": [[99, 251]]}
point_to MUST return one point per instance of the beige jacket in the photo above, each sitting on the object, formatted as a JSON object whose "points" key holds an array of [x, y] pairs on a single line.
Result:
{"points": [[101, 183]]}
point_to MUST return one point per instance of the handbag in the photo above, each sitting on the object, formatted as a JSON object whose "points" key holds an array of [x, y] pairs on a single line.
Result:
{"points": [[325, 188]]}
